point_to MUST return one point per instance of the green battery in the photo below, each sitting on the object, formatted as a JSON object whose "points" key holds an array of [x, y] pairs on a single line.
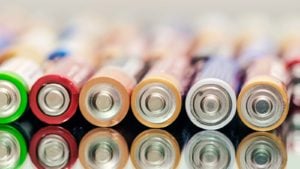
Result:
{"points": [[16, 77], [13, 148]]}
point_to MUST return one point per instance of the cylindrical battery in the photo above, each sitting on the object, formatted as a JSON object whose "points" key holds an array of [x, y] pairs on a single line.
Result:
{"points": [[261, 150], [13, 148], [103, 148], [209, 150], [211, 101], [105, 98], [19, 73], [155, 148], [53, 147], [263, 102], [156, 101], [54, 97]]}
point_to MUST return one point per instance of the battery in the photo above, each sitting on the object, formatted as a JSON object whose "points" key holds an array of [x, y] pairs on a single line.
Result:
{"points": [[19, 73], [54, 97], [103, 148], [53, 147], [105, 99], [211, 101], [155, 148], [209, 150], [263, 102], [261, 150], [156, 100], [13, 148]]}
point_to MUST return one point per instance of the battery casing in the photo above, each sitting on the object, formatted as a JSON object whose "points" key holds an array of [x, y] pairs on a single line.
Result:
{"points": [[168, 85], [214, 90], [266, 81], [117, 78], [71, 73]]}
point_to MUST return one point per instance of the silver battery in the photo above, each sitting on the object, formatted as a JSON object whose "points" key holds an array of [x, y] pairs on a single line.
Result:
{"points": [[209, 150], [211, 101], [9, 99], [9, 150], [261, 152], [53, 152]]}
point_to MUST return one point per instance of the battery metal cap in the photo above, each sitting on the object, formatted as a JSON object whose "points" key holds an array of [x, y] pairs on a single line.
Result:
{"points": [[13, 97], [156, 102], [103, 148], [54, 99], [209, 150], [13, 149], [263, 104], [104, 101], [53, 147], [211, 103], [261, 150], [155, 148]]}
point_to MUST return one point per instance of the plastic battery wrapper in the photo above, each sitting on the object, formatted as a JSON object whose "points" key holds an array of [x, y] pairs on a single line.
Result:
{"points": [[105, 98], [211, 101], [54, 96], [263, 102], [156, 101]]}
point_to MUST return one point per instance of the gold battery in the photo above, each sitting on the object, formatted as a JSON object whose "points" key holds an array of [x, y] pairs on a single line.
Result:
{"points": [[263, 102], [155, 148], [156, 101], [261, 150], [103, 148]]}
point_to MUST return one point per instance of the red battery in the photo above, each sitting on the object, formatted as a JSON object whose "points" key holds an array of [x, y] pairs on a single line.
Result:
{"points": [[53, 147], [54, 97]]}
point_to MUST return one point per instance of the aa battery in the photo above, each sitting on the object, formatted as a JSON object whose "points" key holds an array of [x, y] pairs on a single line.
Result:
{"points": [[156, 100], [105, 98], [103, 148], [19, 73], [13, 148], [155, 148], [261, 150], [54, 97], [211, 101], [263, 102], [53, 147], [209, 150]]}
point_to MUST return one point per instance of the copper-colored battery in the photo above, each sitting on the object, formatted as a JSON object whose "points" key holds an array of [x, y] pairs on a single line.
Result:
{"points": [[103, 148], [263, 102], [104, 100], [261, 150], [156, 101], [155, 148]]}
